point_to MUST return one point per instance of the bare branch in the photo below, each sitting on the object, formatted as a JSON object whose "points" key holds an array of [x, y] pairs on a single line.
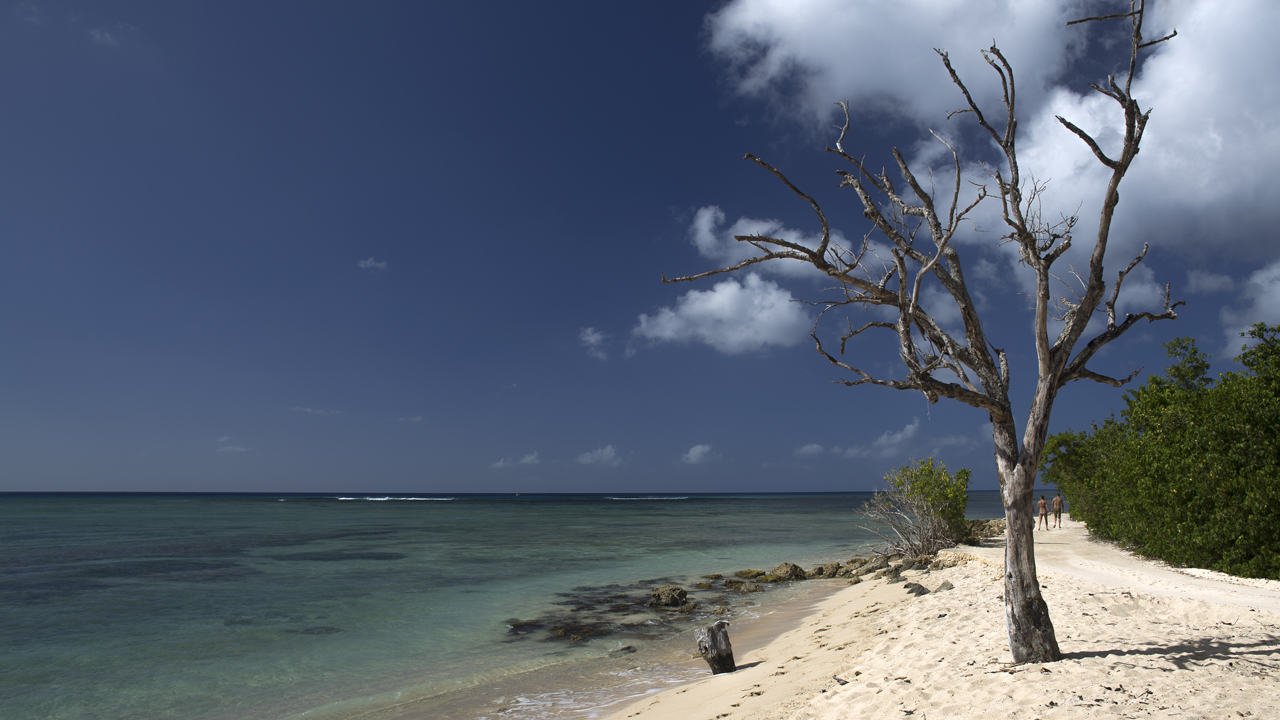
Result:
{"points": [[973, 106], [1110, 304], [1102, 17], [1097, 151], [739, 266], [826, 229], [1170, 36], [955, 196], [1086, 374]]}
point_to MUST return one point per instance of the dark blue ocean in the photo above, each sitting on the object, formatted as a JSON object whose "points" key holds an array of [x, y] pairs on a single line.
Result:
{"points": [[257, 607]]}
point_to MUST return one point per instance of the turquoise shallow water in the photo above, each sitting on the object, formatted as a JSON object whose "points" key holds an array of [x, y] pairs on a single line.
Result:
{"points": [[206, 607]]}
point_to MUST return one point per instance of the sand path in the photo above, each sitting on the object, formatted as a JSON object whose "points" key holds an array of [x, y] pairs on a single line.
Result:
{"points": [[1140, 639]]}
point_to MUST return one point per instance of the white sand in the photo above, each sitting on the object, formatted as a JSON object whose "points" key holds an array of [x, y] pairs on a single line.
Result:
{"points": [[1140, 639]]}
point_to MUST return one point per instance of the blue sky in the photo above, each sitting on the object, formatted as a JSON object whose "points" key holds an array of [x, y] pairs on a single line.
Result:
{"points": [[406, 247]]}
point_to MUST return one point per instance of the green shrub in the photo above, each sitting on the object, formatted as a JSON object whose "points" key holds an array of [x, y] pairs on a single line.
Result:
{"points": [[1191, 473]]}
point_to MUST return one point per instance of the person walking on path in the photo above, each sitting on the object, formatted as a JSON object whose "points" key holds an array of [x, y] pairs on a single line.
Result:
{"points": [[1043, 507], [1057, 510]]}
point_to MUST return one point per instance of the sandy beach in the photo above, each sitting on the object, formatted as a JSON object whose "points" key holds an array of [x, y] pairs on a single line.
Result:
{"points": [[1139, 639]]}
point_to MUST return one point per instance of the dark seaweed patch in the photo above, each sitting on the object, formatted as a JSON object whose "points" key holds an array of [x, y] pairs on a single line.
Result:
{"points": [[46, 590], [338, 555], [146, 568], [318, 630]]}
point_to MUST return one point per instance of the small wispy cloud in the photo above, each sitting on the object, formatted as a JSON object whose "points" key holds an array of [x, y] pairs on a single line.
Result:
{"points": [[810, 450], [314, 411], [699, 454], [103, 38], [371, 264], [29, 13], [224, 439], [1199, 281], [593, 340], [889, 444], [606, 456], [233, 449], [530, 459]]}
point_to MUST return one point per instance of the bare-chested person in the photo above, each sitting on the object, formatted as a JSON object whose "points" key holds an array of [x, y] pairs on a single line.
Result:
{"points": [[1057, 510], [1043, 507]]}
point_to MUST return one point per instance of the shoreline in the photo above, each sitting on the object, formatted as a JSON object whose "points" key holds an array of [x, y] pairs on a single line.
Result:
{"points": [[1139, 639], [591, 685]]}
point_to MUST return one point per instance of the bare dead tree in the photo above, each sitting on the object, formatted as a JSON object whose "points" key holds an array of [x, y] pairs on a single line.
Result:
{"points": [[980, 369]]}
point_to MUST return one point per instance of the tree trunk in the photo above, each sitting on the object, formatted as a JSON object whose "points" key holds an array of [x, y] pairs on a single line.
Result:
{"points": [[1031, 636], [713, 644]]}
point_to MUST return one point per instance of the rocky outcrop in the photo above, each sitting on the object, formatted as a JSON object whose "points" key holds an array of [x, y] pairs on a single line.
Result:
{"points": [[983, 529], [668, 596], [920, 563], [891, 573], [788, 571], [916, 589], [749, 574], [873, 565], [824, 571]]}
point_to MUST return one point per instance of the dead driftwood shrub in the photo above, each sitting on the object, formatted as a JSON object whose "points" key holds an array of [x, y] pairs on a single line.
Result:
{"points": [[922, 511]]}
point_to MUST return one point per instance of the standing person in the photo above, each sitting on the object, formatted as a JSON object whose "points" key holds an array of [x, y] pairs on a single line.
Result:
{"points": [[1043, 507], [1057, 510]]}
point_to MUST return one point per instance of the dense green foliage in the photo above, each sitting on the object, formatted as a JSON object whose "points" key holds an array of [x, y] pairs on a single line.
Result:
{"points": [[1190, 473], [923, 508]]}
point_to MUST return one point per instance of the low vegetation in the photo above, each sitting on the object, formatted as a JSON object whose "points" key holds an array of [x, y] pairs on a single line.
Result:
{"points": [[922, 511], [1190, 472]]}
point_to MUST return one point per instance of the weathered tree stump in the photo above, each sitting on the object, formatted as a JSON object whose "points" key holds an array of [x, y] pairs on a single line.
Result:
{"points": [[713, 645]]}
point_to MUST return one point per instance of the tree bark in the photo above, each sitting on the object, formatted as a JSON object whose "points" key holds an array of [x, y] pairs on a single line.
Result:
{"points": [[713, 645], [1031, 635]]}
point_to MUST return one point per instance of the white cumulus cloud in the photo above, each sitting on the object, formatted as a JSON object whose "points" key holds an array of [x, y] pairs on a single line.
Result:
{"points": [[804, 55], [1261, 293], [697, 455], [371, 264], [732, 317], [1202, 182], [606, 456]]}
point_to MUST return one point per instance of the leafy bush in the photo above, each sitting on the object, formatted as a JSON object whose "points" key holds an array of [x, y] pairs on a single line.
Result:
{"points": [[923, 508], [1191, 472]]}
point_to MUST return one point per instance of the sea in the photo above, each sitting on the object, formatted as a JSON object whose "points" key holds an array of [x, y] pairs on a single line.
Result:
{"points": [[337, 607]]}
